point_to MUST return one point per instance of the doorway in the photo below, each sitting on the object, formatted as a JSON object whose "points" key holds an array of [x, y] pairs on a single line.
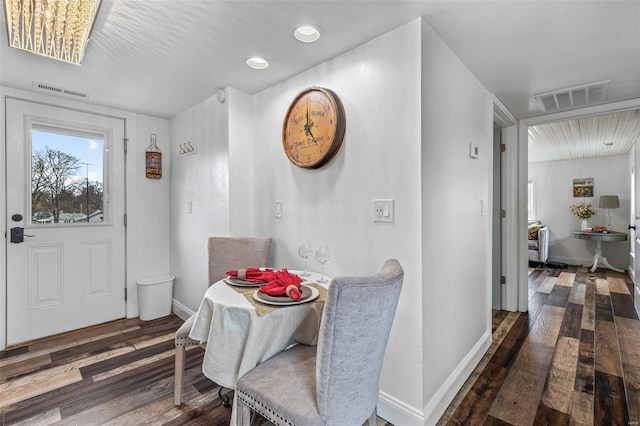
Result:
{"points": [[504, 209], [523, 175], [65, 204]]}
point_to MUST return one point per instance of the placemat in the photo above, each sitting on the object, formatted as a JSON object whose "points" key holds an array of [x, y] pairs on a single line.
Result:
{"points": [[263, 309]]}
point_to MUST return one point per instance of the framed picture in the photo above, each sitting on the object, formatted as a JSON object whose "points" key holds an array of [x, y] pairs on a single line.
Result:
{"points": [[583, 187]]}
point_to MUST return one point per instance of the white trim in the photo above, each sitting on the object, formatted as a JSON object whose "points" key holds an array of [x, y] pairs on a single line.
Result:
{"points": [[520, 301], [437, 405], [569, 260], [510, 205], [523, 168], [180, 310], [501, 114], [3, 221], [398, 413]]}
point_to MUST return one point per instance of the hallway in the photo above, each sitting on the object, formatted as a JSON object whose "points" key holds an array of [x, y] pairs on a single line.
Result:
{"points": [[572, 359]]}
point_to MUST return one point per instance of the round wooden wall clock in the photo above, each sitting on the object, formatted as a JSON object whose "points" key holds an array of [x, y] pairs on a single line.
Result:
{"points": [[313, 128]]}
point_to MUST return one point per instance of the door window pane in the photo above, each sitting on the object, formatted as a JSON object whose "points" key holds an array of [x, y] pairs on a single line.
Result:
{"points": [[67, 179], [531, 206]]}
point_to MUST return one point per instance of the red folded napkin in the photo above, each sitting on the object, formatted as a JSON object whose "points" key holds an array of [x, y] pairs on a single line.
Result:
{"points": [[283, 284], [253, 275]]}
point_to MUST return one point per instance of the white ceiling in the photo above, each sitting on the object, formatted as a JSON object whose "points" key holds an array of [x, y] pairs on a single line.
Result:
{"points": [[159, 57], [586, 137]]}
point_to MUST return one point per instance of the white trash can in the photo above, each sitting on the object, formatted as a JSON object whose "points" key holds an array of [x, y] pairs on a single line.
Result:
{"points": [[154, 296]]}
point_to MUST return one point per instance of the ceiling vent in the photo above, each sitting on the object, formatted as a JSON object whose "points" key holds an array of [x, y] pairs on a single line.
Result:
{"points": [[574, 97], [59, 90]]}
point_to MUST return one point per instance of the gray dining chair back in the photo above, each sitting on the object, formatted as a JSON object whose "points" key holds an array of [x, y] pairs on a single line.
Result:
{"points": [[232, 253], [336, 383], [224, 254]]}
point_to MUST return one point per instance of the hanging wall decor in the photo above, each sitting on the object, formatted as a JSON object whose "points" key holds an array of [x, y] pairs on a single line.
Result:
{"points": [[313, 128], [583, 187], [153, 159]]}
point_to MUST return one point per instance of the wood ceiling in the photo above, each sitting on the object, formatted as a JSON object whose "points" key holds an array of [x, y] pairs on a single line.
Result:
{"points": [[587, 137]]}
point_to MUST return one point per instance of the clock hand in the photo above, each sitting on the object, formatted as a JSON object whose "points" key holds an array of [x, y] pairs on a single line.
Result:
{"points": [[311, 134]]}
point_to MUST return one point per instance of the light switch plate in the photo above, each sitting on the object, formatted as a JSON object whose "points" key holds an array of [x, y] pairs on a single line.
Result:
{"points": [[383, 210], [474, 150], [279, 208]]}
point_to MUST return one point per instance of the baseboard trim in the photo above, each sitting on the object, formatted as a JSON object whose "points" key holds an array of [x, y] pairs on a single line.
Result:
{"points": [[437, 405], [398, 413], [180, 310], [571, 260]]}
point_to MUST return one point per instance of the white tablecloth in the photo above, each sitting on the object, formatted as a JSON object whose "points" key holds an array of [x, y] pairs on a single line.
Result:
{"points": [[237, 339]]}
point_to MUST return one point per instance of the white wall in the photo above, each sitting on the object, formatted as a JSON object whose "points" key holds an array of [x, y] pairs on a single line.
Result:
{"points": [[149, 240], [456, 199], [412, 108], [553, 183], [203, 180], [379, 84], [241, 164]]}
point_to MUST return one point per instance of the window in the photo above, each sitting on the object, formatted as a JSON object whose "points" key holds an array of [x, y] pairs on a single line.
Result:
{"points": [[531, 206], [67, 178]]}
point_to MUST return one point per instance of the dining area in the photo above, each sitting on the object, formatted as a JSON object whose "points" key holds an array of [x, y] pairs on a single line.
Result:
{"points": [[294, 346]]}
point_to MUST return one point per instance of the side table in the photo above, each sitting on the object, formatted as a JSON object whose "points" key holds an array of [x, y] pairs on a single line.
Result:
{"points": [[598, 258]]}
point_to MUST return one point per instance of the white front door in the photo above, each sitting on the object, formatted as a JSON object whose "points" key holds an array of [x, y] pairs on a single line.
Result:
{"points": [[632, 231], [635, 220], [65, 189]]}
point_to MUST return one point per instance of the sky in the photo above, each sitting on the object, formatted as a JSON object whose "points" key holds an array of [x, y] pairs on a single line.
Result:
{"points": [[86, 149]]}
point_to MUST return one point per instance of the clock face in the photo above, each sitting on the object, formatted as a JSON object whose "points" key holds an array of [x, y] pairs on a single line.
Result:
{"points": [[313, 128]]}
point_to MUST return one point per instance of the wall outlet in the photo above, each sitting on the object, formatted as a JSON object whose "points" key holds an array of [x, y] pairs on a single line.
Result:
{"points": [[383, 210]]}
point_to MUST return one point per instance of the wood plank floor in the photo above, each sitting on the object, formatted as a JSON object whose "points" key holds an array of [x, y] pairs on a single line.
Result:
{"points": [[573, 359], [120, 373]]}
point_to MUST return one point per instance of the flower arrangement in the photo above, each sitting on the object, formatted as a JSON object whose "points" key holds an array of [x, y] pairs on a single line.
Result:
{"points": [[582, 210]]}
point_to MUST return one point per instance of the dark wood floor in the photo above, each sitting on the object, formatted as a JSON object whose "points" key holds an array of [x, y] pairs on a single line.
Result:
{"points": [[573, 359], [120, 373]]}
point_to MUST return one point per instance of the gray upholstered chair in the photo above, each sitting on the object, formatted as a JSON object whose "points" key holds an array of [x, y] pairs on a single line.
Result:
{"points": [[225, 254], [336, 382], [538, 243]]}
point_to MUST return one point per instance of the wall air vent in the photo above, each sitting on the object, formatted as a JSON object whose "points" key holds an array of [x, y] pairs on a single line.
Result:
{"points": [[573, 97], [59, 90]]}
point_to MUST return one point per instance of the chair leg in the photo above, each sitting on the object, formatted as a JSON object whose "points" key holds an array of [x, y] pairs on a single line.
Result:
{"points": [[224, 398], [243, 414], [373, 419], [178, 375]]}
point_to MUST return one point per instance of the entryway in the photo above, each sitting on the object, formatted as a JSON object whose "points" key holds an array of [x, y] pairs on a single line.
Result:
{"points": [[65, 207]]}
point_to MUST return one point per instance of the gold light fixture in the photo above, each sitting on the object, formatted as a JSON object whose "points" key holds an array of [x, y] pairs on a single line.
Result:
{"points": [[58, 29]]}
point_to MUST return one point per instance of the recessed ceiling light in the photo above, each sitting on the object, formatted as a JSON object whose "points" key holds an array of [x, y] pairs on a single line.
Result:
{"points": [[306, 33], [257, 63]]}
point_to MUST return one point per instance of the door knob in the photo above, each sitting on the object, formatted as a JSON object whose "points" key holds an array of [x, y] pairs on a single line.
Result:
{"points": [[631, 227], [17, 235]]}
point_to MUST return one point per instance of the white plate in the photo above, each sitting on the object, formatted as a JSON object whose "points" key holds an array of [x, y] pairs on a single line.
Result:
{"points": [[314, 295], [242, 283]]}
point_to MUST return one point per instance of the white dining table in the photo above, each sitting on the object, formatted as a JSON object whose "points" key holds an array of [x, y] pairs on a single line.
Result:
{"points": [[239, 333]]}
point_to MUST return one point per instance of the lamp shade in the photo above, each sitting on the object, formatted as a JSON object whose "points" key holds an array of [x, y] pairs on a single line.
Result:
{"points": [[609, 202]]}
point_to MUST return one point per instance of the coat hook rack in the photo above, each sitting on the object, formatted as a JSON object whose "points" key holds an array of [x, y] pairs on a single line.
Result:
{"points": [[187, 148]]}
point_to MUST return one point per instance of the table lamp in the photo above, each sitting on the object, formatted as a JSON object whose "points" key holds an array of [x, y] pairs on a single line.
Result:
{"points": [[609, 202]]}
